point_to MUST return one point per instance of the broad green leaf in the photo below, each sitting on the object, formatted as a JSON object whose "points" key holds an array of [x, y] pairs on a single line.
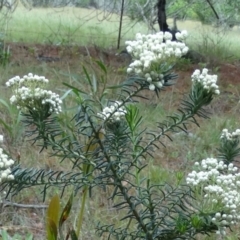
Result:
{"points": [[51, 230], [52, 217]]}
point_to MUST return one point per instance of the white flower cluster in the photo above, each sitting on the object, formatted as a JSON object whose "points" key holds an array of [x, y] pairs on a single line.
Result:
{"points": [[207, 81], [28, 92], [29, 79], [5, 164], [116, 112], [230, 136], [221, 185], [150, 51]]}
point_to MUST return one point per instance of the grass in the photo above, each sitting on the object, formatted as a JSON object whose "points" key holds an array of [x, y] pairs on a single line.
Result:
{"points": [[67, 26], [81, 26]]}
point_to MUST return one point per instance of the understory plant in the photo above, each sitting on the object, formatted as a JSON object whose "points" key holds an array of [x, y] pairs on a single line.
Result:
{"points": [[107, 148]]}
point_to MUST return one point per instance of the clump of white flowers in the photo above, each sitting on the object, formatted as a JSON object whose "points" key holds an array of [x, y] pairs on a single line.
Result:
{"points": [[150, 51], [230, 136], [5, 164], [5, 171], [208, 82], [220, 184], [29, 92], [115, 111]]}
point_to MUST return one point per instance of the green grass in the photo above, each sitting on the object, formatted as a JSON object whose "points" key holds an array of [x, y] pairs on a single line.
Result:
{"points": [[214, 43], [67, 26]]}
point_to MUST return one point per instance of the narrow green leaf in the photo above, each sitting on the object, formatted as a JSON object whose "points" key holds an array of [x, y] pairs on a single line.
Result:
{"points": [[74, 88], [87, 75], [5, 104], [73, 234], [66, 211], [102, 66], [6, 126], [94, 84], [66, 94]]}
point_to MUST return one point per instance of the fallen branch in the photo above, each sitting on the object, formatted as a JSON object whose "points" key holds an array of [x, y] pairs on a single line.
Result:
{"points": [[20, 205]]}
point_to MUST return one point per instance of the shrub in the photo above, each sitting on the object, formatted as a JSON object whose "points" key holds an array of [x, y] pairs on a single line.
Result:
{"points": [[107, 148]]}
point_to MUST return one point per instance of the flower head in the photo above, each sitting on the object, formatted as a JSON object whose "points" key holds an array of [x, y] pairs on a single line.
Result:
{"points": [[230, 136], [207, 81], [114, 113], [29, 93], [150, 52], [5, 164]]}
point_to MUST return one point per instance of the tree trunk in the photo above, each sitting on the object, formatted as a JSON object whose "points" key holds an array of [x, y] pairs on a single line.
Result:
{"points": [[162, 19]]}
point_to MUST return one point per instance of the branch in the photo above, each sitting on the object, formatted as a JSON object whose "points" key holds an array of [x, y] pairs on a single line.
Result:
{"points": [[19, 205], [213, 9]]}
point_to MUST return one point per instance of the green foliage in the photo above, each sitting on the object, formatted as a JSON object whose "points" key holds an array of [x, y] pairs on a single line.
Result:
{"points": [[4, 52], [5, 236], [227, 11], [11, 124]]}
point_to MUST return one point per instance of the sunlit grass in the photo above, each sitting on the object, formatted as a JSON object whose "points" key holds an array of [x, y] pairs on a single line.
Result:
{"points": [[68, 26]]}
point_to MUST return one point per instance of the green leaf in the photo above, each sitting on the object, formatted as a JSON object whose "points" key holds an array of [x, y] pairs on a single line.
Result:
{"points": [[102, 66], [87, 75], [73, 234], [6, 126], [66, 211], [52, 217], [4, 103], [51, 230], [132, 117], [94, 84], [29, 236], [66, 94], [74, 88], [4, 235]]}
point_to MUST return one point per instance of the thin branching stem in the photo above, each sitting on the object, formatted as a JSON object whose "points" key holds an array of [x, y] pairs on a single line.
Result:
{"points": [[118, 183]]}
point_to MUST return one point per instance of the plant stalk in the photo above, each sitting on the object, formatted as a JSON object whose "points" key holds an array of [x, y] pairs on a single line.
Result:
{"points": [[82, 208]]}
